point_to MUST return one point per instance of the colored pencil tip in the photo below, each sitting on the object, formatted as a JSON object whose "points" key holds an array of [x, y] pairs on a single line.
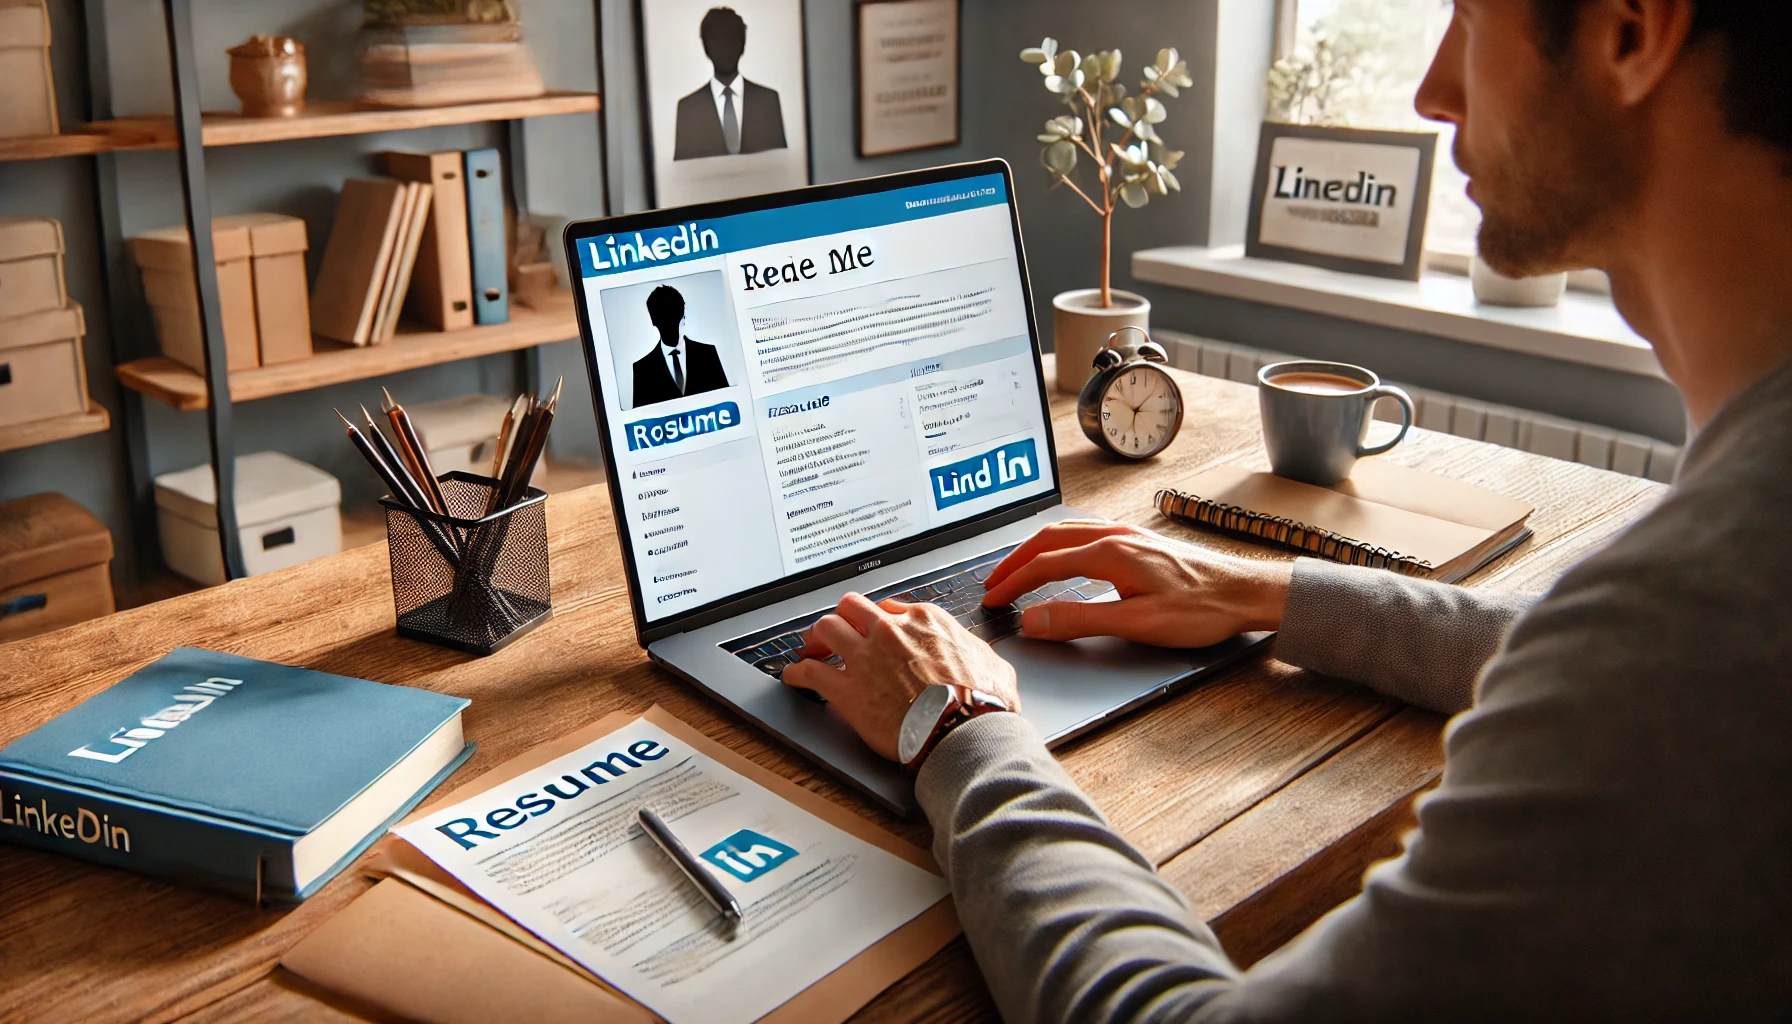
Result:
{"points": [[391, 403], [343, 418], [367, 414], [557, 386]]}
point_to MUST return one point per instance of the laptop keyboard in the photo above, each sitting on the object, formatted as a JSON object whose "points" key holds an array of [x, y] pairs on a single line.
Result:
{"points": [[957, 588]]}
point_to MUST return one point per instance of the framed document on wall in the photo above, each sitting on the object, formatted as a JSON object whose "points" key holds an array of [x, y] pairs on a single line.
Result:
{"points": [[726, 108], [906, 75], [1342, 198]]}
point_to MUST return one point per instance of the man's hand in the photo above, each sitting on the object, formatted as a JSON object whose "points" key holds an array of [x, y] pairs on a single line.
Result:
{"points": [[890, 653], [1172, 594]]}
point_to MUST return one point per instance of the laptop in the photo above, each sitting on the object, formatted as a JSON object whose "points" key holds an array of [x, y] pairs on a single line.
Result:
{"points": [[836, 389]]}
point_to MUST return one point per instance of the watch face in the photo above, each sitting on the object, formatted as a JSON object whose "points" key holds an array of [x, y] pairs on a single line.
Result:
{"points": [[918, 724], [1140, 411]]}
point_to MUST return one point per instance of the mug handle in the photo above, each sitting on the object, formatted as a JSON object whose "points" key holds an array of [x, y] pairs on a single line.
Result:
{"points": [[1406, 416]]}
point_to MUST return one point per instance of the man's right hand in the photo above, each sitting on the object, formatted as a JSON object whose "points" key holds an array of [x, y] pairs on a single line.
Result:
{"points": [[1171, 594]]}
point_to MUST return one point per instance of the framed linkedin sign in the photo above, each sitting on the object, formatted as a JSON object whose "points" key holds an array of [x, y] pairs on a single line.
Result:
{"points": [[1343, 198]]}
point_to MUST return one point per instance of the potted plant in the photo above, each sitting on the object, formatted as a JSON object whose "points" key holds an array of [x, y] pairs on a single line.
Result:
{"points": [[1129, 170]]}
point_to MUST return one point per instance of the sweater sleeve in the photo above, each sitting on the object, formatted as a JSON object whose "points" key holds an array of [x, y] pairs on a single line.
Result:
{"points": [[1420, 641]]}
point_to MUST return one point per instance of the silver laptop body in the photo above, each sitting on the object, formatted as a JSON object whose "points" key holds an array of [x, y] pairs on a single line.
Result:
{"points": [[835, 389]]}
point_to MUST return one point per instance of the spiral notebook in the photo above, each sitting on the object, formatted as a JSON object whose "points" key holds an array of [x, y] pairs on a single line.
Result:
{"points": [[1385, 516]]}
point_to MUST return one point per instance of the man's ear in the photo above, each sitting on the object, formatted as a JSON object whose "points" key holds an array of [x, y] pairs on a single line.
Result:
{"points": [[1633, 44]]}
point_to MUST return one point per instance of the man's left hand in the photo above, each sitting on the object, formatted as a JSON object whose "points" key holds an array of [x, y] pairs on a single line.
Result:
{"points": [[890, 652]]}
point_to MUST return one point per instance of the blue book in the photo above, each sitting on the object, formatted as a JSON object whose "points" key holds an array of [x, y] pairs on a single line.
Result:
{"points": [[228, 772], [485, 236]]}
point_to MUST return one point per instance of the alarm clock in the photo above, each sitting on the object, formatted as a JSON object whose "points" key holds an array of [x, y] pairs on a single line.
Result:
{"points": [[1131, 407]]}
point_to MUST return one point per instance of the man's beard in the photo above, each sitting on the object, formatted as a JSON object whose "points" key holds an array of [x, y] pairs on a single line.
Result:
{"points": [[1567, 171]]}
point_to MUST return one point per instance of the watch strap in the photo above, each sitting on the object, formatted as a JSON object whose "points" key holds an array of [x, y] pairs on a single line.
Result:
{"points": [[966, 703]]}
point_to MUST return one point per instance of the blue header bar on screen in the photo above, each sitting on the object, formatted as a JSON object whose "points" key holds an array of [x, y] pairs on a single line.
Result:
{"points": [[611, 254]]}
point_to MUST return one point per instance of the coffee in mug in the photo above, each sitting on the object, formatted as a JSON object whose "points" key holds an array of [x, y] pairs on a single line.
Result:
{"points": [[1316, 416], [1317, 383]]}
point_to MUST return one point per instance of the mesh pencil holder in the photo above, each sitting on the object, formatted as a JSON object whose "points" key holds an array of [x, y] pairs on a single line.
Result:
{"points": [[470, 581]]}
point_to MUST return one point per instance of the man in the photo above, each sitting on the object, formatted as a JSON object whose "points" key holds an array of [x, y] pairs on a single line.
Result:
{"points": [[677, 366], [730, 114], [1611, 835]]}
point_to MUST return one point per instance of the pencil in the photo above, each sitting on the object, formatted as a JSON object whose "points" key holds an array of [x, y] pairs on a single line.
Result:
{"points": [[410, 446]]}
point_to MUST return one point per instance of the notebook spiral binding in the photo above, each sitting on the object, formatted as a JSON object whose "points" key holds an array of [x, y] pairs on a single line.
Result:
{"points": [[1288, 533]]}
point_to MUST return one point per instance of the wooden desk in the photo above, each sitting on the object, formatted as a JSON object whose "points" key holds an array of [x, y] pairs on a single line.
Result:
{"points": [[1262, 794]]}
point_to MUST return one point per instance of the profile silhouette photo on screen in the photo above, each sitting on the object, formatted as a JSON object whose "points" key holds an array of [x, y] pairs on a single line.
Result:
{"points": [[677, 366], [729, 114]]}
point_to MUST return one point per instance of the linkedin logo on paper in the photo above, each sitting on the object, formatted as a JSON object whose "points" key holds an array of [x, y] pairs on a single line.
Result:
{"points": [[1011, 465], [748, 854]]}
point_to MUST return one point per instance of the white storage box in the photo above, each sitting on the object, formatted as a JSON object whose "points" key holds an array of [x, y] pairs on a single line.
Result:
{"points": [[461, 433], [287, 512]]}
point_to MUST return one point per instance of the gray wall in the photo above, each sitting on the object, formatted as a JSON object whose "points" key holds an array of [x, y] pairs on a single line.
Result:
{"points": [[1225, 41]]}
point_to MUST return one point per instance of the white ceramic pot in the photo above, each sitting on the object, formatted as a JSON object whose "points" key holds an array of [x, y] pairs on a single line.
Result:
{"points": [[1080, 327], [1496, 289]]}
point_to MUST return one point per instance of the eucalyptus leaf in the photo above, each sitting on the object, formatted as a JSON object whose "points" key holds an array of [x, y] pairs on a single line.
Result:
{"points": [[1091, 67], [1169, 179], [1168, 88], [1154, 110], [1120, 117], [1033, 55], [1110, 65], [1150, 73], [1066, 63], [1134, 195], [1059, 157], [1049, 47]]}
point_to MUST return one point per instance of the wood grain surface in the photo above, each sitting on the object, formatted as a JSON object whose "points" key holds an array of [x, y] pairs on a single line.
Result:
{"points": [[1263, 793], [333, 362], [57, 428]]}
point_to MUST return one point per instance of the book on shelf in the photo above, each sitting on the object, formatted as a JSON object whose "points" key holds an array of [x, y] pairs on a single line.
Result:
{"points": [[1384, 516], [488, 243], [230, 773], [442, 64], [404, 259], [351, 278], [441, 292]]}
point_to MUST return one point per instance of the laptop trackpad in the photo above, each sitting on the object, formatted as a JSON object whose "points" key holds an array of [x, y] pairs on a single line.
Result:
{"points": [[1067, 685]]}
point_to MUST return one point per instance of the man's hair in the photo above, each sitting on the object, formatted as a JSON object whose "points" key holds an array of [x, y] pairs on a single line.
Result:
{"points": [[1757, 92], [722, 22], [665, 306]]}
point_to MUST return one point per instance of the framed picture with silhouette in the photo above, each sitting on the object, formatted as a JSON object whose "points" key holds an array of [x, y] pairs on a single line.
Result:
{"points": [[1348, 199], [727, 105]]}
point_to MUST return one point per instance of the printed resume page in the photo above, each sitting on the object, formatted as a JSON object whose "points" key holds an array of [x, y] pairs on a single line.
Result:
{"points": [[559, 851], [791, 388]]}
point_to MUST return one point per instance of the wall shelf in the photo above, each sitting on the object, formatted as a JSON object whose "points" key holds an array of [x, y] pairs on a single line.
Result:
{"points": [[320, 120], [334, 363], [25, 435]]}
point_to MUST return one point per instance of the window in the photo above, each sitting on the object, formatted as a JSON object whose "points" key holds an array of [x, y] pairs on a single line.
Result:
{"points": [[1358, 64]]}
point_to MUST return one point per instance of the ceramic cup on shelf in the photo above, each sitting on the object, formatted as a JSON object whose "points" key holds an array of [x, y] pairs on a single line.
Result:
{"points": [[1080, 326], [268, 75]]}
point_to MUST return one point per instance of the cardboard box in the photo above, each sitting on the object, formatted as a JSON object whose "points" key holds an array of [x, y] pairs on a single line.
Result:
{"points": [[55, 566], [165, 256], [277, 245], [42, 374], [31, 278], [287, 512], [27, 87]]}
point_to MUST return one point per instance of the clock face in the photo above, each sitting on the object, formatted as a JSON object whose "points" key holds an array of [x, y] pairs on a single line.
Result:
{"points": [[1140, 411]]}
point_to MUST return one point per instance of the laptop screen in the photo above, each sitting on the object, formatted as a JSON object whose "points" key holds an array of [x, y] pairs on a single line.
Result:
{"points": [[797, 386]]}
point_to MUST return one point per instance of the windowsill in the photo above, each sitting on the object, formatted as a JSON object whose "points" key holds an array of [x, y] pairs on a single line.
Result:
{"points": [[1583, 328]]}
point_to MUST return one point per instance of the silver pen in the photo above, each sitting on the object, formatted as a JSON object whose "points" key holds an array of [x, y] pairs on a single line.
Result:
{"points": [[715, 892]]}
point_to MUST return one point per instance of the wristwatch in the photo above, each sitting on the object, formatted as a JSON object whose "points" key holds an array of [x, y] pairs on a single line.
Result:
{"points": [[935, 712]]}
